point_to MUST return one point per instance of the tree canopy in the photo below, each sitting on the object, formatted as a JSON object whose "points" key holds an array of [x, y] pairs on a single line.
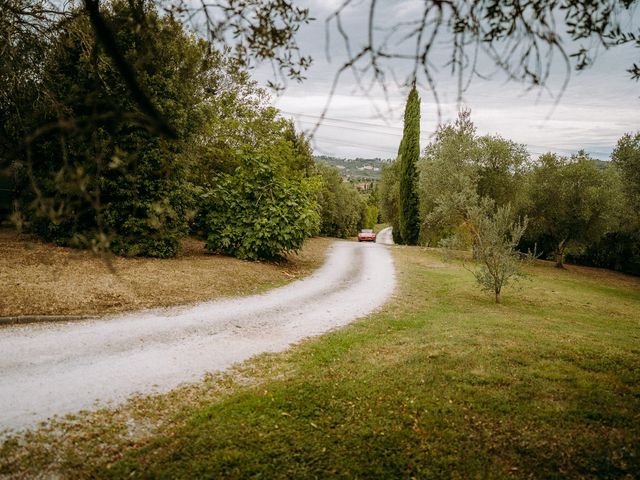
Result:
{"points": [[571, 203], [94, 169]]}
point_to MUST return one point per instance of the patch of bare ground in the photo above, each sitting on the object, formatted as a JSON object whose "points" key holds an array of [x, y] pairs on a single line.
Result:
{"points": [[38, 278]]}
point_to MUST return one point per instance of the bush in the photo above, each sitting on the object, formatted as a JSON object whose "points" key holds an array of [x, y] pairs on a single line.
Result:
{"points": [[618, 251], [259, 212], [111, 182]]}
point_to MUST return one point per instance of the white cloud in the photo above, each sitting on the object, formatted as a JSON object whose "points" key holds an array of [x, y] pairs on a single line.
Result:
{"points": [[597, 108]]}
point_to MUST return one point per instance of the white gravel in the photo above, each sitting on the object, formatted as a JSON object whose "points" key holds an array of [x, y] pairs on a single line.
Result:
{"points": [[56, 369], [385, 236]]}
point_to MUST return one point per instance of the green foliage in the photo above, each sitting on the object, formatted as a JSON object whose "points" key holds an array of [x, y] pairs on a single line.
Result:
{"points": [[495, 238], [259, 212], [23, 48], [389, 197], [620, 249], [501, 166], [97, 175], [239, 117], [148, 209], [255, 175], [458, 168], [448, 181], [577, 207], [408, 155], [626, 156], [370, 216], [574, 205], [571, 204], [341, 206]]}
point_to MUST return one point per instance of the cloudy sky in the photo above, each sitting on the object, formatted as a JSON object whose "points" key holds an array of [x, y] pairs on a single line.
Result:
{"points": [[598, 106]]}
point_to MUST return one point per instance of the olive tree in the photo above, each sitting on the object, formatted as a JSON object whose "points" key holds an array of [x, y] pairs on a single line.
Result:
{"points": [[493, 235], [570, 204], [495, 239]]}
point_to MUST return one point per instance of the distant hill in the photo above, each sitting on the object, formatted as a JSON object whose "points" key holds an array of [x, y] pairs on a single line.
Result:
{"points": [[362, 169], [356, 168]]}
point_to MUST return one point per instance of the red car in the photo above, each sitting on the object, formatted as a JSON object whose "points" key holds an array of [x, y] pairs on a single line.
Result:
{"points": [[366, 235]]}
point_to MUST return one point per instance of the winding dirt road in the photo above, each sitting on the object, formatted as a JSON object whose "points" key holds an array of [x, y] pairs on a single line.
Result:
{"points": [[55, 369]]}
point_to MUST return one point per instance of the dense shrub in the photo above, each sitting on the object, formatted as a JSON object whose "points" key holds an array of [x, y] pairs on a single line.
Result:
{"points": [[617, 250], [103, 176], [148, 209], [259, 211]]}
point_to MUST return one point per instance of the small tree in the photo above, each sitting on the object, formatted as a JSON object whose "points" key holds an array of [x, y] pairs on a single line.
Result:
{"points": [[495, 238], [409, 153]]}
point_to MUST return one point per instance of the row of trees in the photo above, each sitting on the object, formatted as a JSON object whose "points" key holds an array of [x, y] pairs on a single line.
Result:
{"points": [[573, 207], [90, 170]]}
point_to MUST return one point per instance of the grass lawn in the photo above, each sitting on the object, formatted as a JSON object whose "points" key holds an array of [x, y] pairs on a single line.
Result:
{"points": [[442, 383], [37, 278]]}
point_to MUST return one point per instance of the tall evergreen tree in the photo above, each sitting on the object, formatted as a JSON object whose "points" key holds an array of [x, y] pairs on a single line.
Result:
{"points": [[408, 154]]}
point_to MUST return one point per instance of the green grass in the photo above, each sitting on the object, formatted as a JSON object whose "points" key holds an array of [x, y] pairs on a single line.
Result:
{"points": [[442, 383]]}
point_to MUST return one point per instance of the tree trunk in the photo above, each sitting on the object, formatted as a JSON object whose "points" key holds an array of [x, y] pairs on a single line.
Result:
{"points": [[497, 296], [560, 255]]}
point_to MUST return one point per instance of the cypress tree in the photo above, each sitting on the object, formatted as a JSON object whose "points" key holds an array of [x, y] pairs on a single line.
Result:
{"points": [[408, 154]]}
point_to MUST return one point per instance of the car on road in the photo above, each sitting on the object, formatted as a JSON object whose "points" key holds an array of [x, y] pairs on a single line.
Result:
{"points": [[366, 235]]}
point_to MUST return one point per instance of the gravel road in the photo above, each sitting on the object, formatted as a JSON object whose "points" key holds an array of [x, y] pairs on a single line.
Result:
{"points": [[55, 369], [385, 236]]}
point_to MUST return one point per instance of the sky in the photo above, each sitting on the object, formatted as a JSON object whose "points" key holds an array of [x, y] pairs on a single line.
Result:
{"points": [[597, 107]]}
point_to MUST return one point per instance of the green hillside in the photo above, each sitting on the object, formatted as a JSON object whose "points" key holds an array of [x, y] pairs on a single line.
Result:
{"points": [[356, 168]]}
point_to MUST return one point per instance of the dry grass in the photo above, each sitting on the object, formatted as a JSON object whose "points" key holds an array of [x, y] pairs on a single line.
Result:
{"points": [[37, 278]]}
